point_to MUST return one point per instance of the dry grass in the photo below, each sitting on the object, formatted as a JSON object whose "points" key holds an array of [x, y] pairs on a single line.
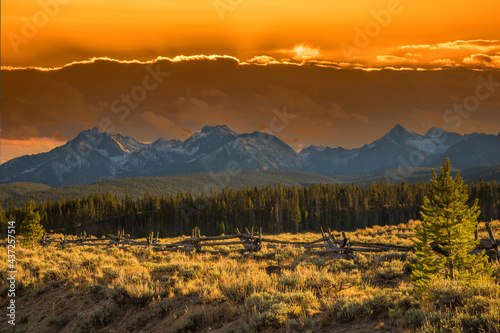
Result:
{"points": [[100, 289]]}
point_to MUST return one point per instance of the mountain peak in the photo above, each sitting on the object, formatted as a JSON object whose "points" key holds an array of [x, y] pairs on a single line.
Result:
{"points": [[398, 129], [397, 132], [95, 130], [434, 131], [222, 129], [91, 134]]}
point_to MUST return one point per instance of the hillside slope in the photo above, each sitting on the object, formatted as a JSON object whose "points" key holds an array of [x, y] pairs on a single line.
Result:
{"points": [[20, 193]]}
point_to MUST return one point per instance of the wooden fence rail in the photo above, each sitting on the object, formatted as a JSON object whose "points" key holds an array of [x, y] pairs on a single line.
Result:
{"points": [[336, 245]]}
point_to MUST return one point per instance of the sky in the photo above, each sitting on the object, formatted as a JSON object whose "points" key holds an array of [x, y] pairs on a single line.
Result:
{"points": [[310, 72]]}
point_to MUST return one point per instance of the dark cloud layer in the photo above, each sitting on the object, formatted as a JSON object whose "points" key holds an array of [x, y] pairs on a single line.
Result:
{"points": [[303, 105]]}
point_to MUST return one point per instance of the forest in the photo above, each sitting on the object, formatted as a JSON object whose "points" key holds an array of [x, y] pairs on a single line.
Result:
{"points": [[275, 208]]}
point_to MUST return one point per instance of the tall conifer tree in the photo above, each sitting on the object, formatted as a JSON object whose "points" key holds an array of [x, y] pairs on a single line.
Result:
{"points": [[31, 229], [446, 238]]}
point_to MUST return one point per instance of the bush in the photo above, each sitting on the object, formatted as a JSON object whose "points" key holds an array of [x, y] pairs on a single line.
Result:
{"points": [[347, 310], [189, 274], [94, 289], [103, 315], [278, 308], [380, 303], [415, 317], [390, 270], [240, 289], [302, 324]]}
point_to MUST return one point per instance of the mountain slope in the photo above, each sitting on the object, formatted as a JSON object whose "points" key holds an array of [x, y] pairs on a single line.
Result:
{"points": [[95, 155], [20, 193], [401, 148]]}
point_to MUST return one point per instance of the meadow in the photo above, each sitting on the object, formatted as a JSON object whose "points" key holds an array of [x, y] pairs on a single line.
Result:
{"points": [[132, 289]]}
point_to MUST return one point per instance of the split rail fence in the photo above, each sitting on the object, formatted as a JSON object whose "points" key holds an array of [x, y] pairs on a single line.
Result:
{"points": [[336, 245]]}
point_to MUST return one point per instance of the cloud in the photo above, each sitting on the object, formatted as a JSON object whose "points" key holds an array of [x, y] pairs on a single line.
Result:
{"points": [[15, 148], [392, 59], [338, 113], [212, 92], [58, 136], [483, 59], [158, 121], [443, 62], [96, 60], [421, 120], [40, 101], [465, 53], [262, 60], [19, 131], [360, 118], [331, 105], [482, 45], [186, 109], [302, 52]]}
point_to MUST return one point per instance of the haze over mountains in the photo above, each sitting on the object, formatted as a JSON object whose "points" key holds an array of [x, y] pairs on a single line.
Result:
{"points": [[97, 155]]}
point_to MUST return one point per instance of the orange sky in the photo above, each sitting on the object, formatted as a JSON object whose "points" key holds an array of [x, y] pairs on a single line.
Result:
{"points": [[69, 30], [359, 34]]}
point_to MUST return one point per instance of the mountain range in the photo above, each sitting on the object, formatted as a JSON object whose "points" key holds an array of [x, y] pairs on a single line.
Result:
{"points": [[95, 155]]}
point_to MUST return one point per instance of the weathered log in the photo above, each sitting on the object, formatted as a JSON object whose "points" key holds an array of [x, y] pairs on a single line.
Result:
{"points": [[381, 245], [492, 237], [223, 243]]}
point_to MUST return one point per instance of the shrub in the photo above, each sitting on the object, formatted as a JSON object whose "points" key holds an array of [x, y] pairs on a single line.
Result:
{"points": [[275, 309], [58, 322], [415, 317], [94, 289], [302, 324], [390, 270], [209, 293], [380, 303], [189, 274], [109, 274], [247, 284], [103, 316], [343, 265], [346, 310]]}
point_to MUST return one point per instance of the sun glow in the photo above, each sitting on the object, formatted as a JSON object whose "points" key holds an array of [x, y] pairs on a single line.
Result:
{"points": [[304, 52]]}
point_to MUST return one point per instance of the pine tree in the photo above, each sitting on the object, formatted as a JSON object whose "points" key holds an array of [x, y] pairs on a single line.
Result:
{"points": [[31, 229], [445, 239], [295, 217], [3, 220]]}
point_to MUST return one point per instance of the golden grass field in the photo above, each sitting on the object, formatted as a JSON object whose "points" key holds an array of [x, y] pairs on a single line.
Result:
{"points": [[112, 289]]}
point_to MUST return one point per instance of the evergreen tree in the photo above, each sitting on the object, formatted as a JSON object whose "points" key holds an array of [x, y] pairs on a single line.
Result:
{"points": [[3, 220], [445, 239], [295, 217], [31, 229]]}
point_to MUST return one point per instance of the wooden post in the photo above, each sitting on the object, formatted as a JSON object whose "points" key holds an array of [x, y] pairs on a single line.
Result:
{"points": [[260, 239], [332, 237], [492, 237], [323, 234], [344, 240]]}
